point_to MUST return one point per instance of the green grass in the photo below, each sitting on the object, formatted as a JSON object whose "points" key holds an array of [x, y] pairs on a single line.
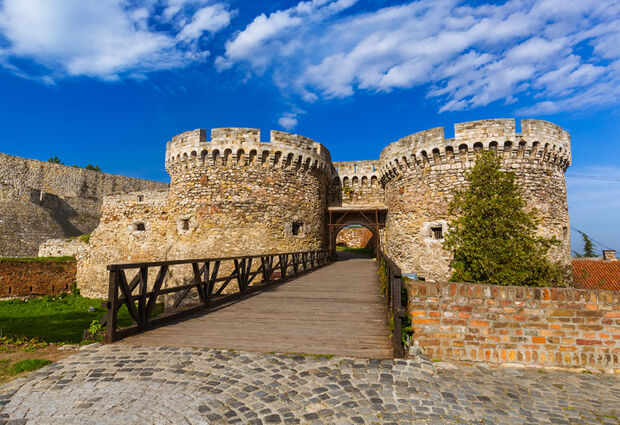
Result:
{"points": [[55, 319], [27, 365], [358, 250], [38, 259]]}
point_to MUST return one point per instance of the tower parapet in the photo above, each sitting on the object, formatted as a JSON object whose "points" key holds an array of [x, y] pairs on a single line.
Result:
{"points": [[242, 146], [420, 172], [540, 143]]}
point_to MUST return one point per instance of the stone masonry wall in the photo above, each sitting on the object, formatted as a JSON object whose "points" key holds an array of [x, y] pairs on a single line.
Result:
{"points": [[119, 238], [233, 195], [22, 278], [519, 325], [420, 172], [40, 200], [355, 237], [362, 180], [72, 247], [244, 197]]}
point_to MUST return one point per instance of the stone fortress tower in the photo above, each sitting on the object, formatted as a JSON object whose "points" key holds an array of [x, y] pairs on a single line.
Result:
{"points": [[236, 195], [420, 171], [232, 195]]}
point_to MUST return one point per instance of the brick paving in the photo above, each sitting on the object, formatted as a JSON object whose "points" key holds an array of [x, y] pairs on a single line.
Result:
{"points": [[170, 385]]}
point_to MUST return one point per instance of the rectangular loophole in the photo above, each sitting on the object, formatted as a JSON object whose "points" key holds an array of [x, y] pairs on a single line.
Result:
{"points": [[437, 232]]}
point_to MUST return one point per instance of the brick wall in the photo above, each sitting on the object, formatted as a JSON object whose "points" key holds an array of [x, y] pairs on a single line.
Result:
{"points": [[520, 325], [20, 278]]}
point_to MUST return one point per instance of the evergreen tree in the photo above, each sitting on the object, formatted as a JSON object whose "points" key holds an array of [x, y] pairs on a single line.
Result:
{"points": [[55, 160], [588, 246], [493, 238], [92, 167]]}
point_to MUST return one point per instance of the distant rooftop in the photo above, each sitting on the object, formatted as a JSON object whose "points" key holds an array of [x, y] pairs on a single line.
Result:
{"points": [[597, 273]]}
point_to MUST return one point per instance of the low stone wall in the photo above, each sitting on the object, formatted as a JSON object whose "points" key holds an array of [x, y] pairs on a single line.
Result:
{"points": [[355, 237], [520, 325], [20, 277], [74, 247]]}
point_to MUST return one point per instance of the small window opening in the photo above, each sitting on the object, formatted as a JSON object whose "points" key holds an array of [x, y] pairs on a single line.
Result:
{"points": [[437, 232], [564, 233], [140, 198], [297, 228], [185, 224], [140, 227]]}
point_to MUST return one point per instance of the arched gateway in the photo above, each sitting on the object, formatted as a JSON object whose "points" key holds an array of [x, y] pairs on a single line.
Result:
{"points": [[372, 218]]}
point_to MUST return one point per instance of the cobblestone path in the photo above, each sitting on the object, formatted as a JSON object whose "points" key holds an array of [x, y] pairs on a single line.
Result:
{"points": [[146, 385]]}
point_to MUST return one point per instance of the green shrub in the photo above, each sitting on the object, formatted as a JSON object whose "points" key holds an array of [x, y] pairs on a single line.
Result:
{"points": [[494, 238]]}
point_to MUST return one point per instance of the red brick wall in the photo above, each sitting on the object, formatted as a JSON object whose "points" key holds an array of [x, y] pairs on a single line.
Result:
{"points": [[19, 278], [505, 324]]}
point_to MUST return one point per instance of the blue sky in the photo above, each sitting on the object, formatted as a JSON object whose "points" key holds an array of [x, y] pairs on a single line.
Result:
{"points": [[108, 82]]}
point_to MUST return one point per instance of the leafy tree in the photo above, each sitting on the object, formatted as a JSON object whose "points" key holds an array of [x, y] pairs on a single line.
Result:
{"points": [[55, 160], [93, 167], [588, 247], [493, 238]]}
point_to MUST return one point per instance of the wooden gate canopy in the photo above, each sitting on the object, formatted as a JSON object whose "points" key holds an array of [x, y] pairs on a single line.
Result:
{"points": [[340, 217], [208, 278]]}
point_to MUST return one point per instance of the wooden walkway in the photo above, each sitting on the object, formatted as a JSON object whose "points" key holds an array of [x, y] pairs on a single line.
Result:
{"points": [[334, 310]]}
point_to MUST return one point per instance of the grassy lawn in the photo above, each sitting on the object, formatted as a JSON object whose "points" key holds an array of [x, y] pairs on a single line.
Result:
{"points": [[55, 319], [357, 250], [31, 332]]}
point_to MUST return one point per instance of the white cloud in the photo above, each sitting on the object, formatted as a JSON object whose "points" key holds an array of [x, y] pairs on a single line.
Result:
{"points": [[555, 54], [288, 120], [208, 19], [103, 38]]}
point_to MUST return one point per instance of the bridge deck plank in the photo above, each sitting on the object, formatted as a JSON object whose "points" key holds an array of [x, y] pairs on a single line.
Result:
{"points": [[334, 310]]}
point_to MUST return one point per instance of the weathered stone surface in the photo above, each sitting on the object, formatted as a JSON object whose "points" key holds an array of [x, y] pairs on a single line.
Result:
{"points": [[40, 200], [355, 237], [137, 385]]}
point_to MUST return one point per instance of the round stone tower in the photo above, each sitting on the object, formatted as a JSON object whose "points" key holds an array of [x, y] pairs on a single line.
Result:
{"points": [[235, 195], [420, 172]]}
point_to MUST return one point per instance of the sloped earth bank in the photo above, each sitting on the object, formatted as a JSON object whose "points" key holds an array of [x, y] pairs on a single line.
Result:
{"points": [[143, 385]]}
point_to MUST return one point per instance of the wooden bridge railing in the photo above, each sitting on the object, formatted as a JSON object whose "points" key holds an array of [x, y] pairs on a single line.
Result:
{"points": [[393, 298], [208, 280]]}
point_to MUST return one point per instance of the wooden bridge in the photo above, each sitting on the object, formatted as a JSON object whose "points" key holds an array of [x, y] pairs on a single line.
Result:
{"points": [[298, 305]]}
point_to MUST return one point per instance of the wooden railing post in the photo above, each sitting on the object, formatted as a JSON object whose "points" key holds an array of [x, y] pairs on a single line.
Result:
{"points": [[110, 329]]}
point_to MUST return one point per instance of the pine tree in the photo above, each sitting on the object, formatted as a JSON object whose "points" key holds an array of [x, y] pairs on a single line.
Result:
{"points": [[588, 246], [55, 160], [493, 238]]}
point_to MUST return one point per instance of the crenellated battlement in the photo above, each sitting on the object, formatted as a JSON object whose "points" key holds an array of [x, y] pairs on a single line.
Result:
{"points": [[353, 173], [540, 143], [242, 147]]}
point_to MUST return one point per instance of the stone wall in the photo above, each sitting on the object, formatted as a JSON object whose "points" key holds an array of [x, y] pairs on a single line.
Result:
{"points": [[355, 237], [40, 200], [72, 247], [357, 183], [421, 171], [233, 195], [518, 325], [43, 277], [133, 229]]}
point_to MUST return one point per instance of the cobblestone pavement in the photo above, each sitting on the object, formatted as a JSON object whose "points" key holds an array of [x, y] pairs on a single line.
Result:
{"points": [[145, 385]]}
